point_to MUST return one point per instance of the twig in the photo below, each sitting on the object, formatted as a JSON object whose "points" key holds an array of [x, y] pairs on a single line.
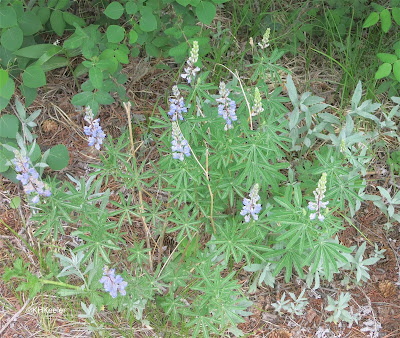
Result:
{"points": [[14, 318]]}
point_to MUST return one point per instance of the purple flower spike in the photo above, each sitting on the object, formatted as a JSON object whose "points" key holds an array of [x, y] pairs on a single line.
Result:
{"points": [[250, 206], [94, 131], [112, 283]]}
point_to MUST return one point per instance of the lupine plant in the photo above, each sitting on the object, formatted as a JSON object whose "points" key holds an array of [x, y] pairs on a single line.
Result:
{"points": [[245, 183]]}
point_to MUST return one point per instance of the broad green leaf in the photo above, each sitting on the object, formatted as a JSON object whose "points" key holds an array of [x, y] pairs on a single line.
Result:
{"points": [[206, 11], [82, 99], [15, 202], [114, 10], [3, 77], [372, 19], [183, 2], [6, 92], [190, 31], [29, 94], [115, 33], [133, 36], [58, 157], [54, 63], [121, 56], [72, 19], [148, 21], [396, 70], [57, 22], [12, 38], [96, 77], [397, 52], [8, 17], [179, 50], [383, 71], [34, 77], [386, 57], [9, 125], [396, 15], [29, 23], [386, 20], [131, 7], [62, 4], [44, 14], [36, 51]]}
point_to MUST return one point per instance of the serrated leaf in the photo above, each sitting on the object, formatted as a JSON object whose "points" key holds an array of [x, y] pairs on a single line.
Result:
{"points": [[386, 20], [372, 19], [386, 57], [396, 70], [383, 71], [58, 157], [205, 12], [34, 77], [114, 10]]}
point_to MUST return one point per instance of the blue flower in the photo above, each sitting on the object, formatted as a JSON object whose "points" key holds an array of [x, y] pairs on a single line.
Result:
{"points": [[227, 107], [29, 177], [180, 146], [250, 206], [112, 283], [177, 105], [94, 131], [319, 194], [191, 70]]}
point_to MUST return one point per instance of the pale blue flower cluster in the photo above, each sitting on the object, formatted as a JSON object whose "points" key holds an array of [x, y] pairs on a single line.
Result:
{"points": [[94, 131], [250, 206], [180, 146], [177, 105], [112, 283], [319, 194], [191, 70], [29, 177], [227, 107]]}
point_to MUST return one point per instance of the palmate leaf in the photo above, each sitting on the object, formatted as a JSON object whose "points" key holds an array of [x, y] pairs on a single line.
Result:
{"points": [[186, 221], [255, 164], [290, 257]]}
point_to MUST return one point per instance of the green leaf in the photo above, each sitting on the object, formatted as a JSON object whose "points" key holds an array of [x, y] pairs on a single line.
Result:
{"points": [[57, 22], [131, 7], [29, 94], [386, 20], [396, 15], [29, 23], [372, 19], [121, 56], [190, 31], [3, 77], [12, 38], [115, 33], [383, 71], [44, 14], [96, 77], [82, 99], [72, 19], [206, 11], [133, 36], [8, 17], [152, 50], [34, 77], [62, 4], [6, 92], [4, 159], [396, 70], [179, 50], [114, 10], [183, 2], [58, 157], [35, 51], [9, 125], [386, 57], [54, 63], [148, 21]]}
